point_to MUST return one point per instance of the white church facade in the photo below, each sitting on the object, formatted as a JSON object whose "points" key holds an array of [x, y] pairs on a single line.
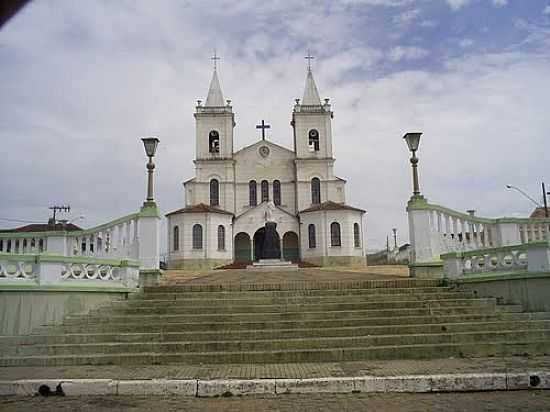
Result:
{"points": [[226, 202]]}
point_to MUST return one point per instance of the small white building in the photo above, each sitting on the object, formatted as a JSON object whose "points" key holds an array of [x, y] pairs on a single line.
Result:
{"points": [[225, 203]]}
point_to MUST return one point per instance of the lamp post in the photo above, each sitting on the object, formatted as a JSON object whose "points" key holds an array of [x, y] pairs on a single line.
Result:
{"points": [[544, 193], [413, 140], [150, 144]]}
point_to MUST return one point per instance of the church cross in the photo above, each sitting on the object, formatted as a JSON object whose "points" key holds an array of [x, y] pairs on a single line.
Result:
{"points": [[263, 126], [309, 58], [214, 58]]}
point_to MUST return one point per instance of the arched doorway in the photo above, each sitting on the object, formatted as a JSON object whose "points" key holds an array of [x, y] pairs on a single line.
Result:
{"points": [[291, 247], [242, 247], [259, 237]]}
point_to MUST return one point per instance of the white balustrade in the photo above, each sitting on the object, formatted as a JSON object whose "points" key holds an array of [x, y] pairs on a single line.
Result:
{"points": [[90, 271], [16, 269], [436, 230], [527, 258], [112, 252]]}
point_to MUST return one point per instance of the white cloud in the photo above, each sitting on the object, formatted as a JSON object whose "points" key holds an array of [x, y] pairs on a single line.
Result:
{"points": [[429, 23], [406, 17], [500, 3], [546, 10], [407, 53], [465, 43], [457, 4]]}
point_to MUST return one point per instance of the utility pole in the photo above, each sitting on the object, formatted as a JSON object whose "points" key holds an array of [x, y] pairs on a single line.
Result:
{"points": [[55, 209], [544, 194], [394, 230]]}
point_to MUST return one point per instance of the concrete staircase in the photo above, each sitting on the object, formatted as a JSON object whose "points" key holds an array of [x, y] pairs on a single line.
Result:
{"points": [[285, 322]]}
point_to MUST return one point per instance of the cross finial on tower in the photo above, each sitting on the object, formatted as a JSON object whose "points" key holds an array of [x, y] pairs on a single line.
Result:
{"points": [[309, 57], [263, 126], [215, 58]]}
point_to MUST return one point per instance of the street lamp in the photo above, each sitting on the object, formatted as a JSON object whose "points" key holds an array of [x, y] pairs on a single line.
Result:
{"points": [[544, 194], [150, 144], [413, 140]]}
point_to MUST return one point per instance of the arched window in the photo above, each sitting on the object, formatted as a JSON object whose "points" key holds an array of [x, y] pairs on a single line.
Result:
{"points": [[265, 190], [277, 192], [176, 238], [313, 140], [221, 237], [335, 238], [356, 235], [252, 195], [311, 236], [214, 192], [315, 191], [197, 236], [214, 142]]}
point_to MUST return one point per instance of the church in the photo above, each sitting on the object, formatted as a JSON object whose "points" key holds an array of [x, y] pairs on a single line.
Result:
{"points": [[226, 203]]}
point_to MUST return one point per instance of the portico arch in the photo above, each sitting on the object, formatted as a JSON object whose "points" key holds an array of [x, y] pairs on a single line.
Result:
{"points": [[243, 252], [291, 249], [259, 237]]}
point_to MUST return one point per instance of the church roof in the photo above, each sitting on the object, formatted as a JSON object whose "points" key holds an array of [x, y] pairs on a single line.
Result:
{"points": [[199, 208], [311, 95], [330, 205], [538, 213], [215, 95]]}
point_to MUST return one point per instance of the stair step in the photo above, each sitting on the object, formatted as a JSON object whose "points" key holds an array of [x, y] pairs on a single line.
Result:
{"points": [[293, 307], [298, 285], [177, 293], [265, 334], [143, 301], [280, 344], [421, 351], [213, 325]]}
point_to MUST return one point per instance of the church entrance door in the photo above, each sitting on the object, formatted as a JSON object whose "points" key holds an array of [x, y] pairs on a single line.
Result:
{"points": [[259, 238], [242, 248], [291, 250]]}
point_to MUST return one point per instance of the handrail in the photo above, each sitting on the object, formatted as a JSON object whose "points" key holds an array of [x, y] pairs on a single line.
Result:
{"points": [[419, 204], [82, 232]]}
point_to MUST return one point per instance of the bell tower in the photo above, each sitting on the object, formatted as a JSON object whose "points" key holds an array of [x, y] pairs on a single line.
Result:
{"points": [[311, 121], [215, 121]]}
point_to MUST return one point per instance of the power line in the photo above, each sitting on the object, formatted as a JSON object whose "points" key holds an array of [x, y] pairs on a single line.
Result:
{"points": [[19, 220]]}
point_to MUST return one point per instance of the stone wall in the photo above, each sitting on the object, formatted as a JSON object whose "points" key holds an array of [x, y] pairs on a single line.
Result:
{"points": [[531, 291], [23, 310]]}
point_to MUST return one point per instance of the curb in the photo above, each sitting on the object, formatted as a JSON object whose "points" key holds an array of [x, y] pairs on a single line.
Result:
{"points": [[238, 387]]}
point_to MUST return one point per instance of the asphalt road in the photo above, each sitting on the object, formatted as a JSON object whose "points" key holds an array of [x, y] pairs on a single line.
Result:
{"points": [[524, 401]]}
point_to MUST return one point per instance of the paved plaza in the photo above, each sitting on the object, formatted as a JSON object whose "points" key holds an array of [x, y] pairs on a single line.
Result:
{"points": [[326, 274], [284, 370]]}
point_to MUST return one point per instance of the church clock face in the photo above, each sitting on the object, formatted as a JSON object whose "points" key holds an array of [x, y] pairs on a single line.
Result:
{"points": [[264, 151]]}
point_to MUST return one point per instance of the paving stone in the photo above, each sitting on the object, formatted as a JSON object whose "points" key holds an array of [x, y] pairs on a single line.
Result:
{"points": [[157, 387], [85, 387], [318, 385], [468, 382], [413, 384], [517, 381], [226, 387], [539, 380]]}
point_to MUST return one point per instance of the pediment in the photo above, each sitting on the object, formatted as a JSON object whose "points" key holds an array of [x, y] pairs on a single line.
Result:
{"points": [[257, 214], [254, 148]]}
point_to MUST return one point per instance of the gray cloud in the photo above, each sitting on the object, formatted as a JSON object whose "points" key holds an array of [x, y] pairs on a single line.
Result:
{"points": [[83, 81]]}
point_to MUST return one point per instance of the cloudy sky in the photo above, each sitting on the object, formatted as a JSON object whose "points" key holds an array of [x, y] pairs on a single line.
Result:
{"points": [[82, 81]]}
